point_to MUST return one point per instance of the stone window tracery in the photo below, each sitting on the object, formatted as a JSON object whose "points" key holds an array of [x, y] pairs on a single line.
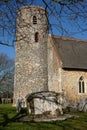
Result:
{"points": [[81, 85]]}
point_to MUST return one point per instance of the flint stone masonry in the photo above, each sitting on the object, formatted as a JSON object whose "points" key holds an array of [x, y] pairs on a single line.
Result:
{"points": [[54, 70], [31, 73]]}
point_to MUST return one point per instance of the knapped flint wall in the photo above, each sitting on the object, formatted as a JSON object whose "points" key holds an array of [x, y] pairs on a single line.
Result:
{"points": [[31, 73]]}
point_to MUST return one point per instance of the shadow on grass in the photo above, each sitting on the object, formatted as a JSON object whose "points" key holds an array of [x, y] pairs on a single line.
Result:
{"points": [[69, 124], [38, 125], [32, 124], [8, 120], [15, 118]]}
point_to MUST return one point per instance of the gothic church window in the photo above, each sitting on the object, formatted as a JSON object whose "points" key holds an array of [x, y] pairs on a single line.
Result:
{"points": [[34, 20], [81, 85], [36, 36]]}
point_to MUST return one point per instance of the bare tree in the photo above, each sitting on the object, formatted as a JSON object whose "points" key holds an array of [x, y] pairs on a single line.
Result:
{"points": [[67, 17], [6, 73]]}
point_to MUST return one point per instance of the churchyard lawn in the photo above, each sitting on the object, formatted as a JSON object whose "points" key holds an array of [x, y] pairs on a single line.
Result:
{"points": [[9, 121]]}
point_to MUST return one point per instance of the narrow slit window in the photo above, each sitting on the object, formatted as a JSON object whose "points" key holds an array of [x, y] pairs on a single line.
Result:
{"points": [[34, 20], [36, 36]]}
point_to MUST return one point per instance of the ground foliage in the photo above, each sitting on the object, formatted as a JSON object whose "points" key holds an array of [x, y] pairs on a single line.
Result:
{"points": [[9, 121]]}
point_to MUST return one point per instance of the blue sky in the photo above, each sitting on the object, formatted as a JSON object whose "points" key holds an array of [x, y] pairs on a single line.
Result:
{"points": [[10, 51]]}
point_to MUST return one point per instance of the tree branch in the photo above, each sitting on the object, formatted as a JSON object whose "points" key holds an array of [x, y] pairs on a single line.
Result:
{"points": [[6, 44]]}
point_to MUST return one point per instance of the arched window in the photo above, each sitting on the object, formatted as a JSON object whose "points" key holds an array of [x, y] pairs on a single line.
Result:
{"points": [[36, 36], [34, 20], [81, 85]]}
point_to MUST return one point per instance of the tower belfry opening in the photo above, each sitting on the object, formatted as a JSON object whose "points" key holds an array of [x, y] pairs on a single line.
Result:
{"points": [[34, 20], [36, 37]]}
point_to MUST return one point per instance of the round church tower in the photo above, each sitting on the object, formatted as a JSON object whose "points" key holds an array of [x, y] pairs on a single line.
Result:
{"points": [[31, 52]]}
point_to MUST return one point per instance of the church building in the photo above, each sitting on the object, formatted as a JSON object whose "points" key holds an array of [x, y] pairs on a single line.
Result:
{"points": [[46, 62]]}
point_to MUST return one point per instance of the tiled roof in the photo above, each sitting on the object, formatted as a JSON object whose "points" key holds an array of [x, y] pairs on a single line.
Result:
{"points": [[73, 52]]}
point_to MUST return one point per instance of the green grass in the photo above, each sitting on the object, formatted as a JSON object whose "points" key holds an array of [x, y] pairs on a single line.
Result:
{"points": [[8, 121]]}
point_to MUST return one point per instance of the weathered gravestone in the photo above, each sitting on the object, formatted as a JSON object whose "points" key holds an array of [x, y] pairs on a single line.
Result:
{"points": [[82, 106]]}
